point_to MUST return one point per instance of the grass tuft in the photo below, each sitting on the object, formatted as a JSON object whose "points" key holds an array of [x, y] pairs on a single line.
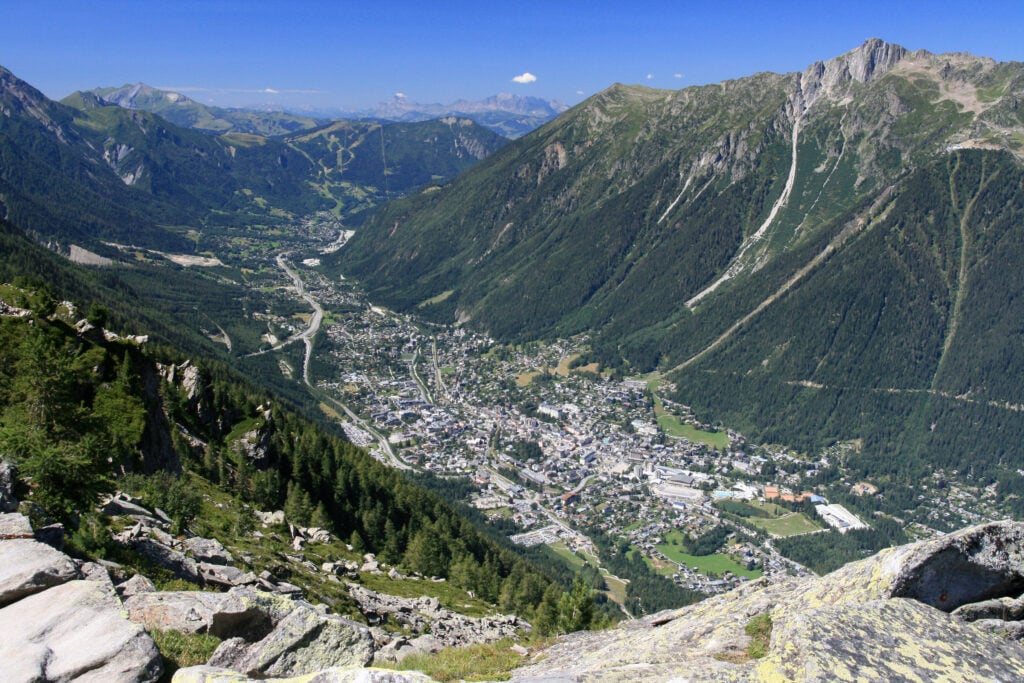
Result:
{"points": [[760, 631], [180, 650]]}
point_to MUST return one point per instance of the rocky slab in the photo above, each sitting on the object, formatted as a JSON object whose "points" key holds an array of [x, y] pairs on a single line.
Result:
{"points": [[27, 567], [885, 618], [75, 631], [304, 642]]}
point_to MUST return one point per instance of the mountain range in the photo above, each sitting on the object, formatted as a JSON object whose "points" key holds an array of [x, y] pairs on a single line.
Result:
{"points": [[810, 257], [509, 115], [84, 171]]}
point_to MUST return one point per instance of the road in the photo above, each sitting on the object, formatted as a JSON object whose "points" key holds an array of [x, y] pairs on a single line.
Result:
{"points": [[315, 320], [307, 336]]}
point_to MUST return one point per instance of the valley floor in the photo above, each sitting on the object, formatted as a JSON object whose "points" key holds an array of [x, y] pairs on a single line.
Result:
{"points": [[564, 451]]}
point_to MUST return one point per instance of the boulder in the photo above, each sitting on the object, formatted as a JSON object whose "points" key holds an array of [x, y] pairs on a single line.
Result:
{"points": [[239, 613], [208, 550], [271, 518], [401, 647], [183, 611], [136, 585], [74, 631], [304, 642], [154, 551], [315, 534], [226, 575], [93, 571], [14, 525], [215, 674], [123, 504], [28, 566]]}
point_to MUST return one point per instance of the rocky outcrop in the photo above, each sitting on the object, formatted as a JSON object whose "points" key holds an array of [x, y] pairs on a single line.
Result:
{"points": [[863, 64], [58, 627], [74, 632], [8, 477], [431, 626], [28, 567], [886, 618], [306, 641], [263, 634]]}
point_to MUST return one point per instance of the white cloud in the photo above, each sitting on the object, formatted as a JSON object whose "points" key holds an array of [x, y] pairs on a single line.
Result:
{"points": [[650, 76], [400, 95], [525, 77], [677, 75], [579, 92], [270, 91]]}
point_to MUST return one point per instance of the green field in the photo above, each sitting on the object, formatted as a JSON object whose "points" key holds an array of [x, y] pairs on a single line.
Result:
{"points": [[790, 525], [716, 564], [574, 560], [708, 564], [435, 299], [616, 588], [671, 425]]}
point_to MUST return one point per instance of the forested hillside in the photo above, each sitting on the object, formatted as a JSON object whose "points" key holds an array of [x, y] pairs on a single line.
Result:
{"points": [[81, 411]]}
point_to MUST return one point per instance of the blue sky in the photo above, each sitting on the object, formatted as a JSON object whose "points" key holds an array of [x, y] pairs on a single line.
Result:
{"points": [[352, 55]]}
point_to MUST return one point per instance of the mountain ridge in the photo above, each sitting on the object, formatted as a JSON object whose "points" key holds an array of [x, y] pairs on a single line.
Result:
{"points": [[507, 114]]}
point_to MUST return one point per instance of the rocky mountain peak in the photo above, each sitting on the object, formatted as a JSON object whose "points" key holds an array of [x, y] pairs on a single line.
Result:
{"points": [[863, 64], [140, 96]]}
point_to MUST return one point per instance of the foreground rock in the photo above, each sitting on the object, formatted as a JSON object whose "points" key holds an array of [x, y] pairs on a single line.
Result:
{"points": [[27, 567], [886, 618], [213, 674], [304, 642], [74, 631], [239, 613]]}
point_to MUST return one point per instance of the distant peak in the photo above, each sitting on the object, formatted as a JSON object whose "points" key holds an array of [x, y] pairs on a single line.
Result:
{"points": [[872, 59], [862, 64]]}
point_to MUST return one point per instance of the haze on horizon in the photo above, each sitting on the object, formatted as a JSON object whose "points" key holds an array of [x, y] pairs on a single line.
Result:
{"points": [[346, 56]]}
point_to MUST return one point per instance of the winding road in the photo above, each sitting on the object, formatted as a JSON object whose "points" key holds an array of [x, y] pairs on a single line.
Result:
{"points": [[307, 336]]}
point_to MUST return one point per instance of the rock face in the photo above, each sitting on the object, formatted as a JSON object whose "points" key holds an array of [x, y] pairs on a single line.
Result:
{"points": [[886, 618], [27, 567], [304, 642], [57, 627]]}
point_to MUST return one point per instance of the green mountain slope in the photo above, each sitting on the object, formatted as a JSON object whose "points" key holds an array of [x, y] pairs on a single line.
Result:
{"points": [[87, 172], [362, 164], [809, 256], [187, 113]]}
